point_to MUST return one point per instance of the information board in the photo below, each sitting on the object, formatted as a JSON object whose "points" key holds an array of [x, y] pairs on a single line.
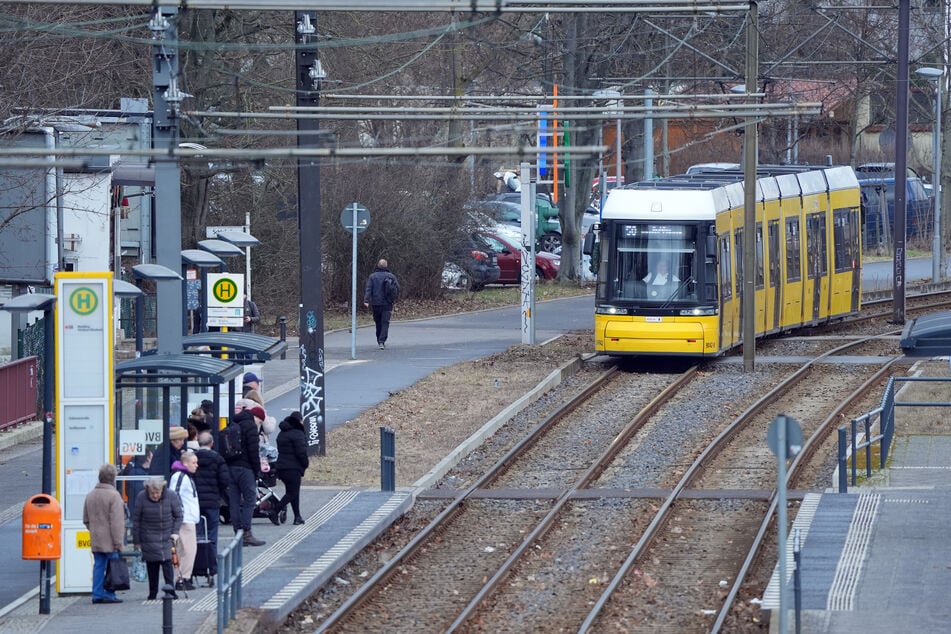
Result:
{"points": [[84, 410]]}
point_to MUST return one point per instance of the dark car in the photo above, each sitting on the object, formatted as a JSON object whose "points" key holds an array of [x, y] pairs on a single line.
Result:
{"points": [[505, 242], [477, 259], [877, 182]]}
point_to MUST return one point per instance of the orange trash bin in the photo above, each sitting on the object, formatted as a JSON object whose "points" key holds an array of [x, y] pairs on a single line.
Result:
{"points": [[42, 524]]}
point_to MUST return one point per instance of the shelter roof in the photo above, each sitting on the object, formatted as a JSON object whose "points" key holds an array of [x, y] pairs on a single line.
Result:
{"points": [[928, 335]]}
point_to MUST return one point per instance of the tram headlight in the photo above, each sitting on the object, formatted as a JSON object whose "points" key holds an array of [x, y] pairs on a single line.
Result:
{"points": [[697, 312], [612, 310]]}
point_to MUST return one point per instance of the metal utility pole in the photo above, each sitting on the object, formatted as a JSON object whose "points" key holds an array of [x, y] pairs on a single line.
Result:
{"points": [[901, 160], [168, 184], [311, 315], [750, 153]]}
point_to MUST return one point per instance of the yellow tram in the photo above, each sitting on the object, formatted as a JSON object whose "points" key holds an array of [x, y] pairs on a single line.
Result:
{"points": [[669, 259]]}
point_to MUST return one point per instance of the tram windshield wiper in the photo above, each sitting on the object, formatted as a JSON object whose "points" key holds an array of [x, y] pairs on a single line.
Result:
{"points": [[679, 288]]}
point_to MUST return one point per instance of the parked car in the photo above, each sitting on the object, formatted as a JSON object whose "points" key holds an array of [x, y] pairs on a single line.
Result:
{"points": [[476, 259], [507, 208], [506, 243]]}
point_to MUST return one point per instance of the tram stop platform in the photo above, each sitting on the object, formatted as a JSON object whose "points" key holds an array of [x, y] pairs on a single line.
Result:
{"points": [[878, 558], [295, 561]]}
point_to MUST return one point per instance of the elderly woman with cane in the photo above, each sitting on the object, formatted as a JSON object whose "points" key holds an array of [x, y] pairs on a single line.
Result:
{"points": [[156, 522]]}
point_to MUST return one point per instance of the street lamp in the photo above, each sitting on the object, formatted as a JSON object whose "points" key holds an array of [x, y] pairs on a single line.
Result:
{"points": [[936, 75]]}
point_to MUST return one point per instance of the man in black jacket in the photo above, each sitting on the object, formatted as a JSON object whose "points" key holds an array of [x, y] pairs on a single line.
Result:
{"points": [[245, 469], [376, 296], [213, 481]]}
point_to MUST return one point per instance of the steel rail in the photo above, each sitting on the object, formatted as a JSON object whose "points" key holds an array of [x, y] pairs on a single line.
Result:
{"points": [[590, 475], [809, 448], [713, 448], [437, 525]]}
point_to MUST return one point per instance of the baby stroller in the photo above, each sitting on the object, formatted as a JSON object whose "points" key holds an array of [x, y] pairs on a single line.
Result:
{"points": [[266, 503]]}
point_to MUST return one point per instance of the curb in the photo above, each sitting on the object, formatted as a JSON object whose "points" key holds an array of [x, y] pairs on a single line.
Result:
{"points": [[21, 433]]}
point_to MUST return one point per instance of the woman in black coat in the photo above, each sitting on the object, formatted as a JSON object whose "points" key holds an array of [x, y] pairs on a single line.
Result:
{"points": [[291, 464], [155, 524]]}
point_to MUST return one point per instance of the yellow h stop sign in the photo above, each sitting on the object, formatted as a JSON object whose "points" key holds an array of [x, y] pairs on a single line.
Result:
{"points": [[225, 297]]}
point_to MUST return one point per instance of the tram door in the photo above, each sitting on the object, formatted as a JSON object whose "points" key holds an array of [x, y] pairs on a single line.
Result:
{"points": [[774, 259], [814, 235]]}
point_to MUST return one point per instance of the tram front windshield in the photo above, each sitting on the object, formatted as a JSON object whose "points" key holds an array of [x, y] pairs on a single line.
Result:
{"points": [[654, 263]]}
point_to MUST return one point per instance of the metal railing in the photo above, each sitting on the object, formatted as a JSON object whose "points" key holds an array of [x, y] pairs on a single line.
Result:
{"points": [[230, 572], [885, 416], [18, 391]]}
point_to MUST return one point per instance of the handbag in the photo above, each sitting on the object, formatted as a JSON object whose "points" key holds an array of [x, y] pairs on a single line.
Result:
{"points": [[117, 575]]}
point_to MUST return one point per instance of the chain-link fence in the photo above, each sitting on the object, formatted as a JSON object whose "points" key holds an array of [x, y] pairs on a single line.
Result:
{"points": [[32, 342]]}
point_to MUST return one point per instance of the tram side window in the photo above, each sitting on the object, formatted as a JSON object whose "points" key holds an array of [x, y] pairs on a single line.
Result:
{"points": [[793, 246], [726, 275], [816, 244], [844, 235], [760, 280], [738, 251]]}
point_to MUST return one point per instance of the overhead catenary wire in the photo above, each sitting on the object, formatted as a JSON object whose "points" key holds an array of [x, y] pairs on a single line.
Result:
{"points": [[294, 153], [360, 113], [691, 7]]}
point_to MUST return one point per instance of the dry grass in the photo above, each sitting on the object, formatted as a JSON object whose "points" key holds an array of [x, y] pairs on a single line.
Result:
{"points": [[435, 415]]}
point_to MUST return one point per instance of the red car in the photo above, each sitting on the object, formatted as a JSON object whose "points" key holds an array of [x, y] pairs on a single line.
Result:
{"points": [[506, 244]]}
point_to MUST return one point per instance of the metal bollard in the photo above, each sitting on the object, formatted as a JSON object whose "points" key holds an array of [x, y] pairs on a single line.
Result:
{"points": [[843, 475], [167, 598], [283, 321], [387, 459]]}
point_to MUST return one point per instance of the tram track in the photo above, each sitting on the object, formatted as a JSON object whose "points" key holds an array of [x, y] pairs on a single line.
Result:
{"points": [[755, 564], [473, 535], [529, 536], [509, 542], [692, 547]]}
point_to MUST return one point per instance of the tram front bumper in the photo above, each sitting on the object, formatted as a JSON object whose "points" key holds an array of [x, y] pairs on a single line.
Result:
{"points": [[646, 335]]}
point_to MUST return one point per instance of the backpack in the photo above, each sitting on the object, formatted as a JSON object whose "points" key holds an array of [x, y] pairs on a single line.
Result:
{"points": [[391, 290], [232, 445]]}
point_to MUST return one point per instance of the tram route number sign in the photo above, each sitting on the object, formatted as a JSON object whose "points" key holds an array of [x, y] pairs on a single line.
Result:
{"points": [[789, 428]]}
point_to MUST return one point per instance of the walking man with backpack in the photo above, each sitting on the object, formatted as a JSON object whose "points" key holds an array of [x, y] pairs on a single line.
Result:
{"points": [[381, 293], [239, 448]]}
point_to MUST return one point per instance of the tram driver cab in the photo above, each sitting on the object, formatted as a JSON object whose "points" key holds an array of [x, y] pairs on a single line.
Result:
{"points": [[656, 266]]}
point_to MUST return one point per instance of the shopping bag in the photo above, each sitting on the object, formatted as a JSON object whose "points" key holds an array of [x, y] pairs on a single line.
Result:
{"points": [[117, 575], [139, 570]]}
